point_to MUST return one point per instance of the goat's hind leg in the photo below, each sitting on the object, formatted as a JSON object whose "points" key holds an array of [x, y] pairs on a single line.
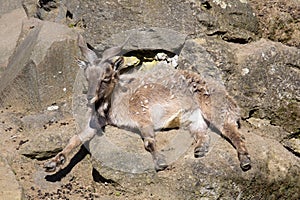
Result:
{"points": [[230, 131], [86, 135], [198, 128], [148, 136]]}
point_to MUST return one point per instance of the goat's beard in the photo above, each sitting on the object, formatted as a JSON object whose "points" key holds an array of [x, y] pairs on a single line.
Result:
{"points": [[99, 116], [101, 103]]}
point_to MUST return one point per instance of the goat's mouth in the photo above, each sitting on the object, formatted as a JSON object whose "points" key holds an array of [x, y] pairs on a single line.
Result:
{"points": [[92, 101]]}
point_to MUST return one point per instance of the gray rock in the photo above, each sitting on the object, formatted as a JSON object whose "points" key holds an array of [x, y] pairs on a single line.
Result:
{"points": [[233, 21], [10, 187], [42, 69], [292, 143], [41, 119], [273, 167], [267, 83], [6, 6], [11, 27], [147, 39], [48, 133]]}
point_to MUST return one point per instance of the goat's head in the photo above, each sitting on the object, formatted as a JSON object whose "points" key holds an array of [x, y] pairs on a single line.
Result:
{"points": [[101, 74]]}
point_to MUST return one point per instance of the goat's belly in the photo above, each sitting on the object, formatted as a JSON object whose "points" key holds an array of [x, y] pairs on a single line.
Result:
{"points": [[186, 119], [167, 121], [121, 118]]}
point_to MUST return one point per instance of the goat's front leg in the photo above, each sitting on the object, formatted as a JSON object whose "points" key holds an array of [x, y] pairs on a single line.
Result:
{"points": [[198, 128], [148, 136], [87, 134], [230, 131]]}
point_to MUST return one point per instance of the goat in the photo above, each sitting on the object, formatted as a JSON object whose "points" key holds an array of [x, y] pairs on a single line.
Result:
{"points": [[146, 101]]}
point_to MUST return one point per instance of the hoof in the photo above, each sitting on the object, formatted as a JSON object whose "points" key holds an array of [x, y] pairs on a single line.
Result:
{"points": [[50, 166], [54, 163], [160, 163], [201, 151], [245, 162]]}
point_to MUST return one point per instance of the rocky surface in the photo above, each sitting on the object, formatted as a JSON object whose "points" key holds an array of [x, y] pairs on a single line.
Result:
{"points": [[43, 73], [13, 190], [231, 20], [251, 47], [11, 27], [279, 20]]}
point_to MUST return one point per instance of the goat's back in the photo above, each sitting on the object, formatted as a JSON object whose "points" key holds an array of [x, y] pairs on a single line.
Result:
{"points": [[159, 97]]}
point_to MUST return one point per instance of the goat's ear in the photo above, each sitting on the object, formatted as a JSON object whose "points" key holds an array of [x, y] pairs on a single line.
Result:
{"points": [[90, 55], [113, 51], [118, 63]]}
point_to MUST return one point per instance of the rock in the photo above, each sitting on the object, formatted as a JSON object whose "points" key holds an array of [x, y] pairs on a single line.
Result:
{"points": [[30, 7], [146, 39], [42, 119], [7, 6], [266, 129], [44, 73], [279, 23], [45, 133], [50, 10], [233, 21], [270, 89], [195, 57], [116, 17], [10, 188], [11, 27], [46, 137], [237, 21], [121, 151], [273, 171], [292, 143]]}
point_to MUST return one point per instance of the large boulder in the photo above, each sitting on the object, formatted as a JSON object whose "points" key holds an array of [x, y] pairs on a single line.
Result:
{"points": [[42, 70], [11, 27], [233, 21], [279, 20], [267, 83], [144, 39]]}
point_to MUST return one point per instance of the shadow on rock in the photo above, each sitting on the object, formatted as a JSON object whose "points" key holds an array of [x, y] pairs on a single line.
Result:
{"points": [[79, 156]]}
